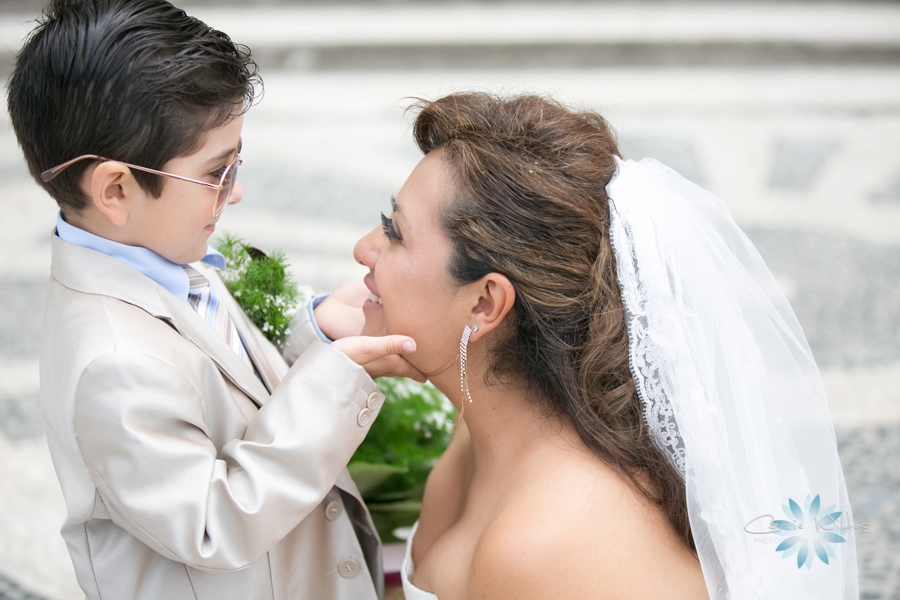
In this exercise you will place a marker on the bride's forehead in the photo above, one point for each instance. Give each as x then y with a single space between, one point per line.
428 187
433 166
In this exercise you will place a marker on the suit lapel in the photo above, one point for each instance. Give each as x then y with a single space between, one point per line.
189 324
91 272
270 371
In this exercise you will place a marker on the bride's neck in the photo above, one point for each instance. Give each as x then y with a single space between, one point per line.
504 425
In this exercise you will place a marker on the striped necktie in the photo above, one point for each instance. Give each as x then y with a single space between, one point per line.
205 301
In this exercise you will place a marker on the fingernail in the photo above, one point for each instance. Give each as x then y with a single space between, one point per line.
409 346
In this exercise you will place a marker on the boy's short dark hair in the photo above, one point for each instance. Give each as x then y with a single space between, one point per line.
132 80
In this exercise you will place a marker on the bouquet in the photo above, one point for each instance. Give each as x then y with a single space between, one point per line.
262 285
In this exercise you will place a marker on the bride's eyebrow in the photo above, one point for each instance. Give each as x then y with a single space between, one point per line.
394 206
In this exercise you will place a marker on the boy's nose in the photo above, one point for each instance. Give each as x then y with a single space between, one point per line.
366 250
237 194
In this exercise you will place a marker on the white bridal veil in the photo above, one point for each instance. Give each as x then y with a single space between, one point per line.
731 393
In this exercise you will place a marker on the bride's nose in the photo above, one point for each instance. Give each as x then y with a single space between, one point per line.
366 250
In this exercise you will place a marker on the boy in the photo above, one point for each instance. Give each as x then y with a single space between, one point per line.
194 462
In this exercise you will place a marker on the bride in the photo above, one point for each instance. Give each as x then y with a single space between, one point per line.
637 401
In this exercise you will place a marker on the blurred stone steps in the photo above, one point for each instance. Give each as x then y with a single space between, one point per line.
312 36
562 35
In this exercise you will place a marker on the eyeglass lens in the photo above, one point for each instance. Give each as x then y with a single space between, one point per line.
229 177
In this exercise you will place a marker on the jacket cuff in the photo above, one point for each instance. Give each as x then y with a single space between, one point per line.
304 331
311 307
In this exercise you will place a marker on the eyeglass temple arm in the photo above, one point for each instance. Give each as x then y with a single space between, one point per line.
50 174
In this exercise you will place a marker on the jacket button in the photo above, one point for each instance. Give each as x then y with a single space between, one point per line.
364 417
374 400
348 568
333 510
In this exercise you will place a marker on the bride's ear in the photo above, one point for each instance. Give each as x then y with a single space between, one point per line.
497 296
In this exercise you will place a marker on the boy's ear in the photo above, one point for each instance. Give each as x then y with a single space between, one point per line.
497 297
112 188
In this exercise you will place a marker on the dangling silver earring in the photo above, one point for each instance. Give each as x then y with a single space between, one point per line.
463 352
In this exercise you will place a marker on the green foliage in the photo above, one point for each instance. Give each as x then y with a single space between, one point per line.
262 285
412 431
391 465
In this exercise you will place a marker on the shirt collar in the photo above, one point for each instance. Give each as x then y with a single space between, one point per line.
147 262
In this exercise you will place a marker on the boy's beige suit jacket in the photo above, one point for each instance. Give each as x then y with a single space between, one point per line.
184 475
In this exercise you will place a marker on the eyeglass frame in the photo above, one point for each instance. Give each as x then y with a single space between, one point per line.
50 174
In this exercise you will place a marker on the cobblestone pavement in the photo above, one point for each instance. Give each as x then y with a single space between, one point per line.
869 457
808 160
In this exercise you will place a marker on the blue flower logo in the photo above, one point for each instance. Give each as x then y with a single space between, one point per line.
810 531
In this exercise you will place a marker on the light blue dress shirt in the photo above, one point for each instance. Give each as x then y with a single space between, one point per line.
147 262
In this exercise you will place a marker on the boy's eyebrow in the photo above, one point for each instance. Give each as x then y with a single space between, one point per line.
226 153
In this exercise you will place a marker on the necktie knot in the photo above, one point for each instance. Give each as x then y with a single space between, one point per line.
197 281
205 301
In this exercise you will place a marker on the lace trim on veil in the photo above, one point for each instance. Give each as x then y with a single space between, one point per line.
648 368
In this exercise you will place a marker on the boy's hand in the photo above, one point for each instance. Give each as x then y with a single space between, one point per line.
340 315
380 356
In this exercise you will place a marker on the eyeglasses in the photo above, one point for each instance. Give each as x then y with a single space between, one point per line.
223 189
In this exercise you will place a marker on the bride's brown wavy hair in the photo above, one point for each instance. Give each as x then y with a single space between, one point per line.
530 203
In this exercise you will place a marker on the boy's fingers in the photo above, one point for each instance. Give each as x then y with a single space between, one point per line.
398 344
380 356
394 366
338 320
363 349
352 293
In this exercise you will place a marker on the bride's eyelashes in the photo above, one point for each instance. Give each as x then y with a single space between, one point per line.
389 230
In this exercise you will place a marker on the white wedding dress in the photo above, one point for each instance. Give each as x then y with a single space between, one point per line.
411 592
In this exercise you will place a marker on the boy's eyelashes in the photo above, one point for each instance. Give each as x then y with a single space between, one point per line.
227 157
390 231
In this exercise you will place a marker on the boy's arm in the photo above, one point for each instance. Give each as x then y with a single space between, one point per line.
146 437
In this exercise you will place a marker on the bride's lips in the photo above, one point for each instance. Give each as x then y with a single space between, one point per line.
373 302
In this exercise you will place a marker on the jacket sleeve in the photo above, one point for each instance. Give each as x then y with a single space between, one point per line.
142 427
303 333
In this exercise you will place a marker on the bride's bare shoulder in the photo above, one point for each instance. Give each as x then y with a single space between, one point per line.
578 531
